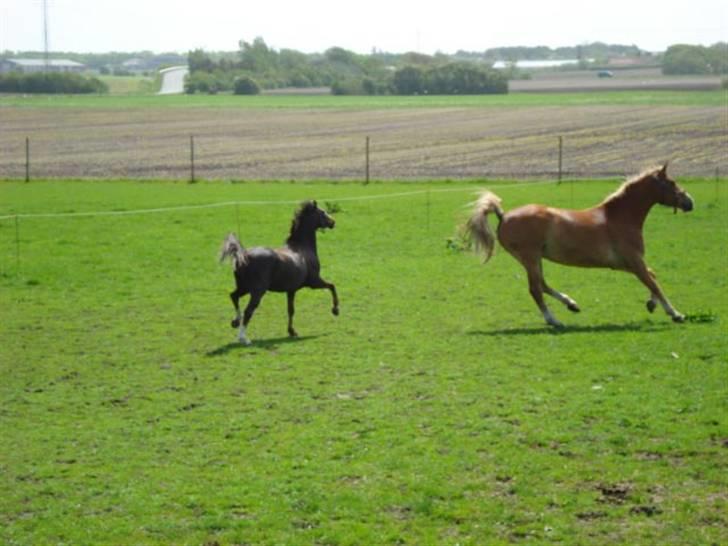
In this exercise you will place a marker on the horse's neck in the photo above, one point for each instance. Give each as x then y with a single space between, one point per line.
631 206
303 240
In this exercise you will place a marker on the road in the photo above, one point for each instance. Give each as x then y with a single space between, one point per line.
173 80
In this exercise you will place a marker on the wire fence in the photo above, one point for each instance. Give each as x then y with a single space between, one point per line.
556 160
15 219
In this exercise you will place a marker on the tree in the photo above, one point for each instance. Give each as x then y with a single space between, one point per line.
257 57
199 61
246 85
409 80
686 59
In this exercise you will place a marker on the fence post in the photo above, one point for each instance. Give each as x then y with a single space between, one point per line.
192 158
27 159
366 154
17 245
561 156
717 183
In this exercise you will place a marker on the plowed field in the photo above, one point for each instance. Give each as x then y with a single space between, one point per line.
329 143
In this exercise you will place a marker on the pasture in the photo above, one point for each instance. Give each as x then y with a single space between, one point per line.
437 409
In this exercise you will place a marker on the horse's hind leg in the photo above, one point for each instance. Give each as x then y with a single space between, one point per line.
235 296
535 287
255 298
571 305
291 312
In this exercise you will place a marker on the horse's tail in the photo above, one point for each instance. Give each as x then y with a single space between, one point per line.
477 227
233 249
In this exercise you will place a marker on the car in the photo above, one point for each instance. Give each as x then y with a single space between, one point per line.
605 74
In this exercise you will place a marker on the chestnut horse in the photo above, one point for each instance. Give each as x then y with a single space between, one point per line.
607 235
286 269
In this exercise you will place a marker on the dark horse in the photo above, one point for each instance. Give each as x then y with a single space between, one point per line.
286 269
607 235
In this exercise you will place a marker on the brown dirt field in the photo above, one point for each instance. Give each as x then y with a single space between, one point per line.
329 144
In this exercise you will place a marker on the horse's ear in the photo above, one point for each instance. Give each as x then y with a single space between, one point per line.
315 204
663 171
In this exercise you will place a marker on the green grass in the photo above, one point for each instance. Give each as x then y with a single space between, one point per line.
649 98
130 85
437 409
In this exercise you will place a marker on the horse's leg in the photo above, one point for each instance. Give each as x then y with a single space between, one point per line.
535 287
652 302
235 296
291 311
255 298
649 279
571 305
320 283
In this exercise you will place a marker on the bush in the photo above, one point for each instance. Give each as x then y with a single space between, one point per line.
51 83
245 85
206 82
449 79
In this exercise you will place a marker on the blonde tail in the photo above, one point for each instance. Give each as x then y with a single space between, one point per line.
231 248
477 227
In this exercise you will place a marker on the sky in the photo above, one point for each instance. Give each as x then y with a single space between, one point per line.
393 26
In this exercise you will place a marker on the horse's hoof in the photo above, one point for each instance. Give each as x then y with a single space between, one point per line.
573 308
292 333
244 341
555 324
678 318
335 311
651 305
235 322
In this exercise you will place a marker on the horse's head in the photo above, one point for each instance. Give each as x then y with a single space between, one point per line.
323 220
309 218
670 193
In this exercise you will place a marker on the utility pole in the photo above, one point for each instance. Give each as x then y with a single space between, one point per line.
46 54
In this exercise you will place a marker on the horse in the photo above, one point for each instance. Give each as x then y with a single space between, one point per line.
286 269
608 235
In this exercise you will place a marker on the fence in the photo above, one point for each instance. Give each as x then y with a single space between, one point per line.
16 218
196 162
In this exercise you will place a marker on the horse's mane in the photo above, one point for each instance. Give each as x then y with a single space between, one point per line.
628 184
303 209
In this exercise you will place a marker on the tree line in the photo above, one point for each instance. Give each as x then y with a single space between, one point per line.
691 59
256 66
50 83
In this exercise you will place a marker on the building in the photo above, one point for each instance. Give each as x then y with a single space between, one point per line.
39 65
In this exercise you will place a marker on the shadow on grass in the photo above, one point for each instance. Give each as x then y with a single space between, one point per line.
596 329
268 344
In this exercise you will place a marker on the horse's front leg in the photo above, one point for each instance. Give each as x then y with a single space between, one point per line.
649 279
291 312
320 283
652 302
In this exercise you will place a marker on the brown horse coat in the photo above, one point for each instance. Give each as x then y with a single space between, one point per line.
607 235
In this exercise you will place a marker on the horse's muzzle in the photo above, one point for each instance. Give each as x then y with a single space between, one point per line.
685 202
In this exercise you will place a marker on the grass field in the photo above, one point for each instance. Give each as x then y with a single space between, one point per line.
323 137
268 102
437 409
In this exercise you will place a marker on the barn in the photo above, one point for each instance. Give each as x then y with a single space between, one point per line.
40 65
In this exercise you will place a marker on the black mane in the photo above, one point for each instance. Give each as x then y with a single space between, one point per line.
304 209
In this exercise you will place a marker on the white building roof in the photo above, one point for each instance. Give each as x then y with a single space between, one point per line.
42 62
